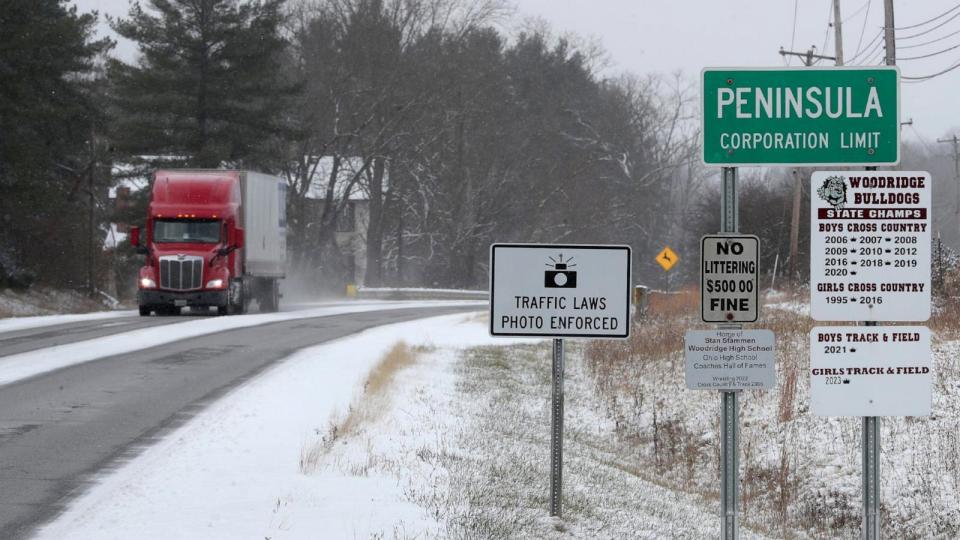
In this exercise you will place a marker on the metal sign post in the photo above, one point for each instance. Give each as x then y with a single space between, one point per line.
871 477
730 464
871 462
870 443
559 291
730 436
556 432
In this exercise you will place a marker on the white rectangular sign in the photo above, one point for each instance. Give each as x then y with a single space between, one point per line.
730 360
728 278
870 371
560 290
870 246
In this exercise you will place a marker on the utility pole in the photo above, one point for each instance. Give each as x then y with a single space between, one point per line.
795 225
889 37
807 58
870 433
838 33
956 154
956 170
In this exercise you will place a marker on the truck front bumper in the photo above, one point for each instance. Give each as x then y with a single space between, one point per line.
169 298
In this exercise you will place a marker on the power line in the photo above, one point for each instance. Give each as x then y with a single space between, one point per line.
914 46
855 13
929 55
932 75
826 34
871 43
863 29
930 20
868 52
878 47
921 139
793 36
925 32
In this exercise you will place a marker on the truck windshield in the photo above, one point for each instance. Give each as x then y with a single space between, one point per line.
191 231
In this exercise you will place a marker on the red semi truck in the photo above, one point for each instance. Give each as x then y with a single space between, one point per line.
213 239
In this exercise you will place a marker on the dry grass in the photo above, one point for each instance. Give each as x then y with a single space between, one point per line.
673 304
636 377
945 319
367 406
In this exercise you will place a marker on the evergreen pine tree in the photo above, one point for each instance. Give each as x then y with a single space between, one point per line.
48 123
207 87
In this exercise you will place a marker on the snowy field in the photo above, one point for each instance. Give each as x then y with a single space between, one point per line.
426 429
800 474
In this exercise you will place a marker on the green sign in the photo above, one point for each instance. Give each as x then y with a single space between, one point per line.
801 116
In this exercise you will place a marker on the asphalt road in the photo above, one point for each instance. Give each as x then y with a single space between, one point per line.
59 430
32 339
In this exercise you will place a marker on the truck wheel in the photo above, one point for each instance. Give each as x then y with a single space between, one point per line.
236 301
275 295
144 311
269 297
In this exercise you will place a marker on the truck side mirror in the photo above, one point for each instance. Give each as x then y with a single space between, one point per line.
135 236
238 238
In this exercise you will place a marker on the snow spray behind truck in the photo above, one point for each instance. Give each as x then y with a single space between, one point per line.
213 239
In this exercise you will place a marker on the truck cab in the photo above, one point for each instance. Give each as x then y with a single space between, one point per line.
195 244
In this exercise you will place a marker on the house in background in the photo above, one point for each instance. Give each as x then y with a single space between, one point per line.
350 238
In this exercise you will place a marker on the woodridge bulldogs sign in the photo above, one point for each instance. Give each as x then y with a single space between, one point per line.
870 246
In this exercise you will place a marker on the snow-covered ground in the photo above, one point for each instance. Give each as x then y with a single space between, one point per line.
20 366
40 300
800 473
426 429
432 429
234 471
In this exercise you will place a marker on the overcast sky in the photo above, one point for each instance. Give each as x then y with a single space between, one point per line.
665 36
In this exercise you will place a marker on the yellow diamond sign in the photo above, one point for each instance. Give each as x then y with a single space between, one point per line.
667 258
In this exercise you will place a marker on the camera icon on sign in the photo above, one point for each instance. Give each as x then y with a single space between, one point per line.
560 276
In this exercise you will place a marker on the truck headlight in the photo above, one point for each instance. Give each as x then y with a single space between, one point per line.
215 284
147 283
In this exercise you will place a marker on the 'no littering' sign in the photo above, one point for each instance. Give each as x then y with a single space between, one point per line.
870 246
728 278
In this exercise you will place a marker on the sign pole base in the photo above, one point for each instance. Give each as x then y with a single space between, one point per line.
870 446
871 477
730 461
556 432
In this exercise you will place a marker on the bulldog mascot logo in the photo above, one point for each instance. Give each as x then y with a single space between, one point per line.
834 191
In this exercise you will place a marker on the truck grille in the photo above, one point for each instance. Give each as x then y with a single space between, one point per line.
181 273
